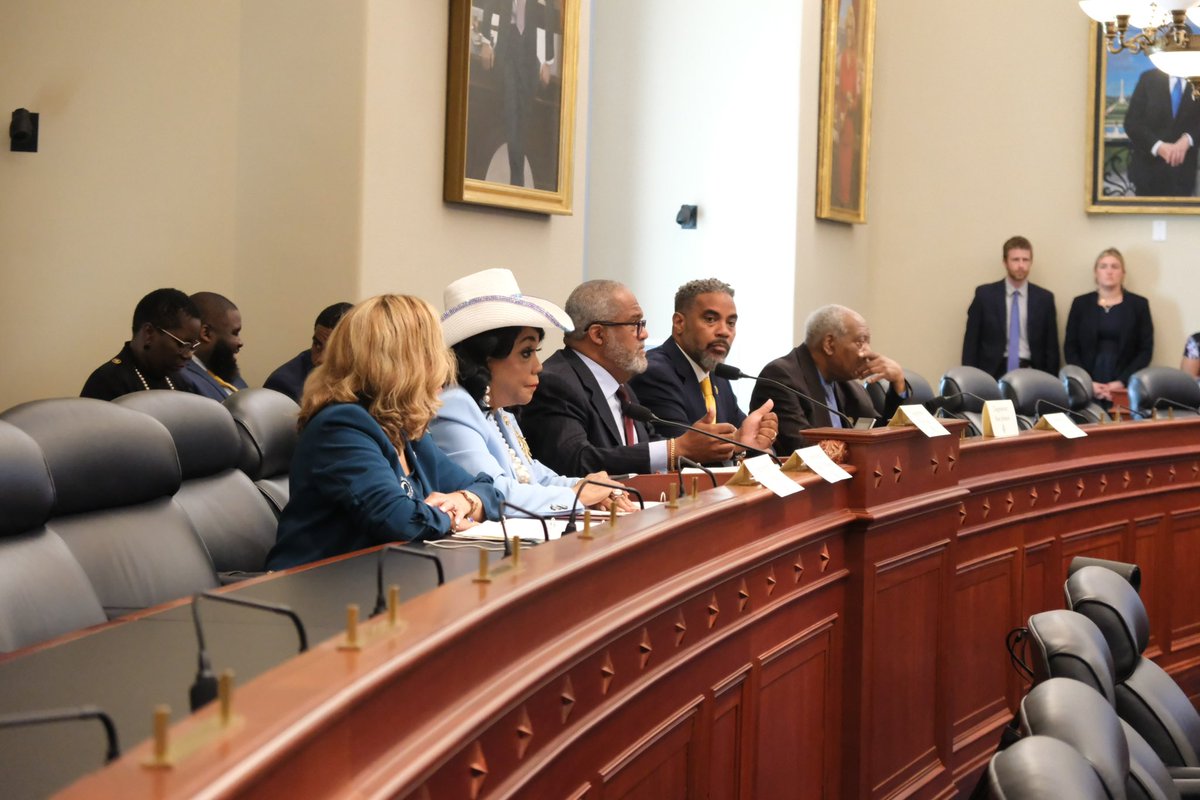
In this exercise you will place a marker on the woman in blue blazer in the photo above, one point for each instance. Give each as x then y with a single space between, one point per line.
495 333
363 472
1109 331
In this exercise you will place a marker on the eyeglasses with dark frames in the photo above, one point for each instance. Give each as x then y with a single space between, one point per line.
189 346
640 325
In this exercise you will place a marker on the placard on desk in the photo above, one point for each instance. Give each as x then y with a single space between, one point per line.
999 419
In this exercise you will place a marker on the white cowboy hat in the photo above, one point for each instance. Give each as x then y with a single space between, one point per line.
491 299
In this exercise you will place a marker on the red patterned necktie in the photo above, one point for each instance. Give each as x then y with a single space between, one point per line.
625 398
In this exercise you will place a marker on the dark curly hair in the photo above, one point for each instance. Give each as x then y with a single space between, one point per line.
472 355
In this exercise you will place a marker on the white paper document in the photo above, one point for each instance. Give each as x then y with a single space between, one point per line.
1061 423
919 416
816 459
767 472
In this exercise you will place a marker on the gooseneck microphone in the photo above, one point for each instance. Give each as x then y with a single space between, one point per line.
528 513
732 373
643 414
684 461
204 690
380 601
586 481
1041 401
52 715
1169 403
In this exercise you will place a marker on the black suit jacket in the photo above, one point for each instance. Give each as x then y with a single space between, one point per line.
1136 343
798 370
986 338
1149 120
569 426
669 388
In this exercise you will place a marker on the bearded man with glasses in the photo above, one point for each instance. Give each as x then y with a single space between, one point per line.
576 423
166 331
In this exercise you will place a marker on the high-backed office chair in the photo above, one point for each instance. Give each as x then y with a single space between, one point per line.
1066 644
266 421
1145 696
918 388
1033 394
965 390
114 472
1042 768
233 519
1163 388
1078 383
1078 715
43 590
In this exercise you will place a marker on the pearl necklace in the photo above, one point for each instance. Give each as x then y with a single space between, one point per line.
146 386
518 466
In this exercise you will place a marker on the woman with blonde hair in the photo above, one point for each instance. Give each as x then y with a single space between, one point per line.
364 472
1109 331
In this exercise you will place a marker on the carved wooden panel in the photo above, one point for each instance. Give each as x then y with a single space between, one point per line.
659 767
1184 602
1150 540
986 606
904 629
727 732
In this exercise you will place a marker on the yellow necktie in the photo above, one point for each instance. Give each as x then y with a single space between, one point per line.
710 402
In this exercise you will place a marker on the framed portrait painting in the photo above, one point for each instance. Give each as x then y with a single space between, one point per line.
1144 134
510 103
847 53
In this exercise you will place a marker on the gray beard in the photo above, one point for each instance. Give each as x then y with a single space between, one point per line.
634 363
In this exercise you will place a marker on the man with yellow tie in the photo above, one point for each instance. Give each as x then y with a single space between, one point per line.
677 385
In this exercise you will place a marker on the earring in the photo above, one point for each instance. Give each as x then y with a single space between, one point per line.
487 397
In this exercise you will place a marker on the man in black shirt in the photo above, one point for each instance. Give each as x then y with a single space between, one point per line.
166 330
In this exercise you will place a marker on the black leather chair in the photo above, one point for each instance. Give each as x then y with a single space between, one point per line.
114 472
1168 389
43 590
1146 696
1042 768
234 520
1066 644
1033 394
266 421
965 390
1078 384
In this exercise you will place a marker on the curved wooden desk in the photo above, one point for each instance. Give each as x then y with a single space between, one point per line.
847 641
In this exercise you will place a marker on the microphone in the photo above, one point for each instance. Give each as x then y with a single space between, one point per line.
684 461
69 715
380 601
585 481
733 373
643 414
1041 401
204 689
943 400
528 513
1169 403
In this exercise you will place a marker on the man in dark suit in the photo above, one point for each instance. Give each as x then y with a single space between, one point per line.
678 384
993 323
830 368
1162 123
575 423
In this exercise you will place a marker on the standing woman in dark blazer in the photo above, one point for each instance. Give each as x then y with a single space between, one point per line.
364 471
1109 331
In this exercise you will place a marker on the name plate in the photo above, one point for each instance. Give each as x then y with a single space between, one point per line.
1000 419
1062 423
916 414
818 461
766 472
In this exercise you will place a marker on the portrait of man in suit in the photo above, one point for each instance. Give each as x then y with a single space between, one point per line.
1163 125
515 101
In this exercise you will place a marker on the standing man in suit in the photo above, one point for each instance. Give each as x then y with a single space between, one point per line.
830 368
1012 323
575 423
213 369
677 384
1162 123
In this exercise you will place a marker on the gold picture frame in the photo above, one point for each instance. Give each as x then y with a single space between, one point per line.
844 134
1115 89
510 104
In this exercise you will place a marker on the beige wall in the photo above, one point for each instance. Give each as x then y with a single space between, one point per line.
963 158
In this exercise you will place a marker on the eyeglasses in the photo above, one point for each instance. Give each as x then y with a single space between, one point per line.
189 346
640 325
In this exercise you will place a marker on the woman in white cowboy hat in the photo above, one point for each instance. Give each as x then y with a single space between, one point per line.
495 332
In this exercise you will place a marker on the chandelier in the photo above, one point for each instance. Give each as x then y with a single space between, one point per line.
1158 28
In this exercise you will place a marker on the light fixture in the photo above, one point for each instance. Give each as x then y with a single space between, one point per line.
1158 28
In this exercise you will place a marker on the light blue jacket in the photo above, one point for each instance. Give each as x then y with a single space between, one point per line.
463 433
